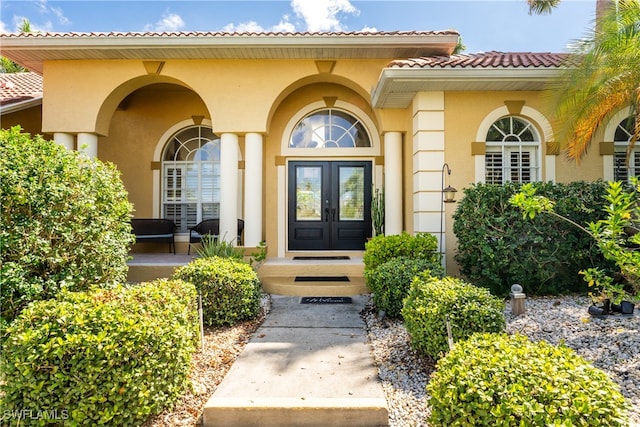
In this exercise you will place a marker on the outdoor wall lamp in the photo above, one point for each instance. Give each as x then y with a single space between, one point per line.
449 196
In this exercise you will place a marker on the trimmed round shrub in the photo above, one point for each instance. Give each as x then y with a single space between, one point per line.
390 282
501 380
64 221
432 301
381 249
230 289
104 357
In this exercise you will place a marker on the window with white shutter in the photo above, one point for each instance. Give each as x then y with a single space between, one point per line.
191 177
512 151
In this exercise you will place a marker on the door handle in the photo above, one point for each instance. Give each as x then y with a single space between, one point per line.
326 214
333 214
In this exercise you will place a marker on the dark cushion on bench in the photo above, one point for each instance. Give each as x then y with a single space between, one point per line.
154 230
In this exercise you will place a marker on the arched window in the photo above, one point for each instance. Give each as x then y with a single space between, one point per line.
622 138
329 128
512 151
191 177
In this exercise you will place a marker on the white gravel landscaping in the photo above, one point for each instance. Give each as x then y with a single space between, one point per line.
611 343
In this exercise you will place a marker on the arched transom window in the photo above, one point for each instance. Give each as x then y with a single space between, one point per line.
512 146
329 128
191 177
623 171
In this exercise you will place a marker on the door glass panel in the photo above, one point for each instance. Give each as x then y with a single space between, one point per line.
309 193
351 193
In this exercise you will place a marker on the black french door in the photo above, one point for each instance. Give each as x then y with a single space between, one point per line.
329 205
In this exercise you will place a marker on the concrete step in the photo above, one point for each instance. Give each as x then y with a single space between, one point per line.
287 285
313 277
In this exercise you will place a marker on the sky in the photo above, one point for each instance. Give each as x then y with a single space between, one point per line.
500 25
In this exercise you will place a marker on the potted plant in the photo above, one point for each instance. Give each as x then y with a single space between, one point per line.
377 211
611 296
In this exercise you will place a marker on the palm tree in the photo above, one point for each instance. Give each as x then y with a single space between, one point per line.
602 77
7 65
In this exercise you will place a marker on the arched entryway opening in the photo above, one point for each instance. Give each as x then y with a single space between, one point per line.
142 117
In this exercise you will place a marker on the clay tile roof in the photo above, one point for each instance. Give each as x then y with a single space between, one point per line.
487 60
16 87
179 34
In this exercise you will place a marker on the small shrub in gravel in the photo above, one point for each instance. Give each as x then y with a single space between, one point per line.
104 357
381 249
497 379
230 289
390 282
432 300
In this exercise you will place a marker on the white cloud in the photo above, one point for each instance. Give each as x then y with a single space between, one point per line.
60 15
323 15
368 29
316 15
3 28
244 27
284 26
169 22
57 12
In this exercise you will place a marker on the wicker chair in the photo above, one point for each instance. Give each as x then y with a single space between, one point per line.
211 227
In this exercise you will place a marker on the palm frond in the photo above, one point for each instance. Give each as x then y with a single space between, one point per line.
541 7
603 78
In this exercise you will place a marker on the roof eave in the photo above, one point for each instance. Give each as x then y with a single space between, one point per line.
21 105
32 51
409 81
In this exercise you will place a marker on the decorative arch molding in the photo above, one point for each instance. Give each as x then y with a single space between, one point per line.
368 123
321 78
539 120
612 124
111 102
534 115
157 157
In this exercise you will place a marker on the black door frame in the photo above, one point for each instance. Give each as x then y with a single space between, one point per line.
328 233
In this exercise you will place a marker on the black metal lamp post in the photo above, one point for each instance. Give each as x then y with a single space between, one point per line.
448 196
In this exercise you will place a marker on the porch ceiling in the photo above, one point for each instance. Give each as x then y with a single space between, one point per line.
31 50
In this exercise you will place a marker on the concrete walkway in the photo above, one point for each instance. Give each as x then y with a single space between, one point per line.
307 365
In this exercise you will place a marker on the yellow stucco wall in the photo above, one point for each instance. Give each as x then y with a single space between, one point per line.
29 119
133 105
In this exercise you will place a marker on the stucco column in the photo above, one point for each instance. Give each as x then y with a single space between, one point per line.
88 144
253 189
64 139
229 187
393 183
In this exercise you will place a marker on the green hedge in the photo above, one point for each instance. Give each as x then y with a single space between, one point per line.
105 357
501 380
431 301
497 247
230 289
390 282
381 249
64 221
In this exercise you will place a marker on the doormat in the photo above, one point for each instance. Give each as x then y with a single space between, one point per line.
321 279
329 258
325 300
